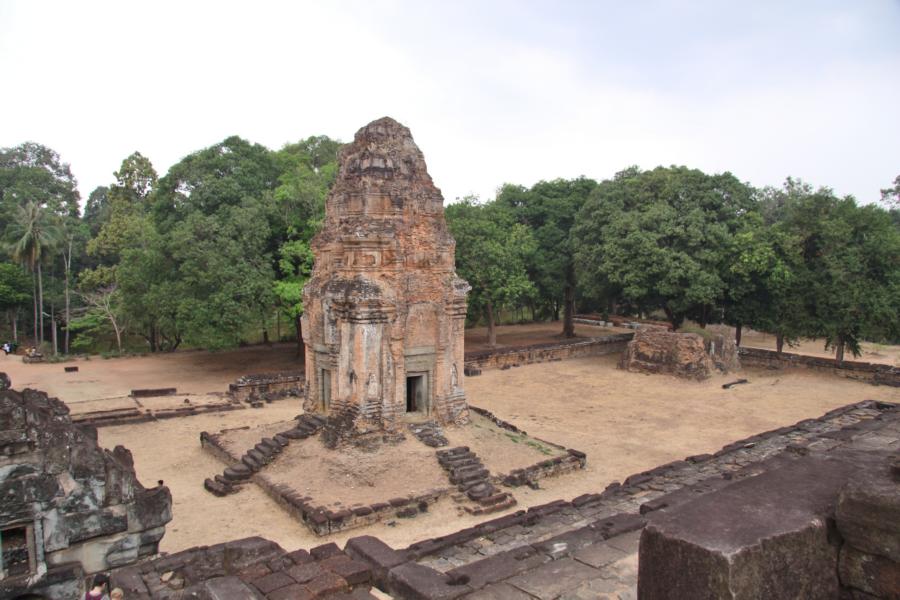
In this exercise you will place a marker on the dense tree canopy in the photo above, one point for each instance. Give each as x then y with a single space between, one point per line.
492 251
661 239
549 210
216 250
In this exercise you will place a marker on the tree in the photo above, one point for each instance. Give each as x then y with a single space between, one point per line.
126 201
215 217
851 278
308 170
891 195
763 282
34 173
295 265
549 209
97 209
491 254
101 295
659 236
34 233
15 293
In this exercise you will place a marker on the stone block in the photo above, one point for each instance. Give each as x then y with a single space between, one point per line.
870 573
273 581
229 588
554 578
325 584
735 543
305 572
324 551
498 567
291 592
354 572
372 551
499 591
868 513
88 524
413 581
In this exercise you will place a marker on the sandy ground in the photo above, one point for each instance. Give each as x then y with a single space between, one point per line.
191 372
626 423
377 475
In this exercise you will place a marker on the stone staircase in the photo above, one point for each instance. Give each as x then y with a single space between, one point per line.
473 480
429 433
232 478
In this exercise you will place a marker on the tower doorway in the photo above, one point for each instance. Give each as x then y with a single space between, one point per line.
415 394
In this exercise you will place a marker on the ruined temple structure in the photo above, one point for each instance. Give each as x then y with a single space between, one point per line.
384 308
68 508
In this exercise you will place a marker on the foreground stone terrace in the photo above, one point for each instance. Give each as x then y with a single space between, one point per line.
583 548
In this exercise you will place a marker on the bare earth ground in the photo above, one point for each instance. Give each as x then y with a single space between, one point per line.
408 468
625 422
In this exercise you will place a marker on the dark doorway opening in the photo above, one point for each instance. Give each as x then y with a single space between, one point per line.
325 379
415 389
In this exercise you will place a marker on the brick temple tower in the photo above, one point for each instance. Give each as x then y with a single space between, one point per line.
384 309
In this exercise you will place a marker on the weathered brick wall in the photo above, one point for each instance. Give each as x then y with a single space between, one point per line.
522 355
880 374
252 387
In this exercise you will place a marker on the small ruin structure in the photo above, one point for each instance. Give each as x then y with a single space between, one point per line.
69 508
685 355
384 309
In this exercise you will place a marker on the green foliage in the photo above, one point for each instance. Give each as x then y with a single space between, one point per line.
659 239
15 287
891 196
549 210
850 283
295 264
492 251
34 173
90 331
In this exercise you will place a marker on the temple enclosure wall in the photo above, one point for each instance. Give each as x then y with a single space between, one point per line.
875 373
503 358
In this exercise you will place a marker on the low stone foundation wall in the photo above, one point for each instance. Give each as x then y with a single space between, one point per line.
504 358
267 386
875 373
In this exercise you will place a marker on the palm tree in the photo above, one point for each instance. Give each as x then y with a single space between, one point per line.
34 233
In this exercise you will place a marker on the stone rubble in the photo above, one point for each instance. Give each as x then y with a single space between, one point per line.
71 507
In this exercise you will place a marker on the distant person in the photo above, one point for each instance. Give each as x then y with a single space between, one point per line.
100 586
7 348
117 594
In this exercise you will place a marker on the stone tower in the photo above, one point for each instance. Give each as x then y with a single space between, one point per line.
384 311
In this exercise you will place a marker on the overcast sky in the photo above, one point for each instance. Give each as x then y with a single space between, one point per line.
494 92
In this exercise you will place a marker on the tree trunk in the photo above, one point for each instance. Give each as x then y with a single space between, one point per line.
839 349
569 312
738 329
492 331
40 302
779 342
118 336
34 299
673 319
53 331
68 263
301 347
277 325
15 325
